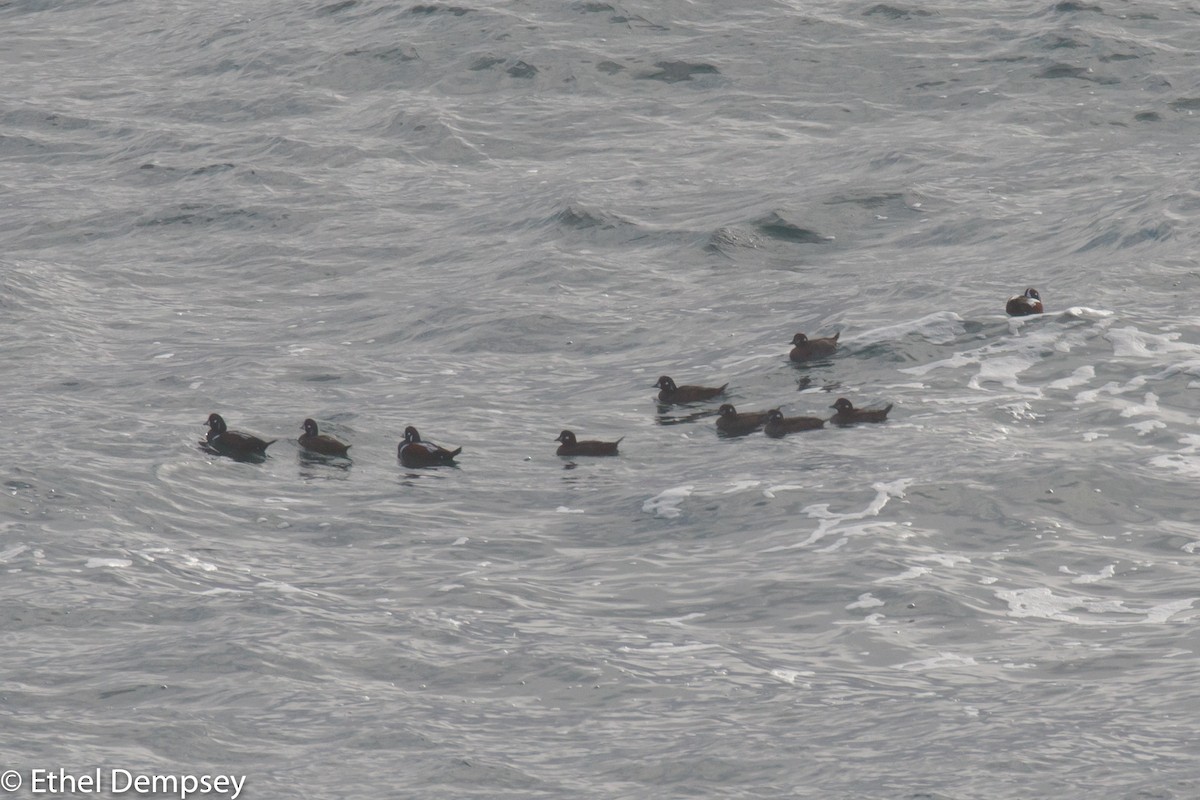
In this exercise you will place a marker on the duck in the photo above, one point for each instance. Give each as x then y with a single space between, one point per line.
319 442
805 349
234 444
847 414
732 423
572 447
415 453
1024 304
685 394
778 426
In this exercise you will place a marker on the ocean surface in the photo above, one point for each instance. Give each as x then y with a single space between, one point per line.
494 221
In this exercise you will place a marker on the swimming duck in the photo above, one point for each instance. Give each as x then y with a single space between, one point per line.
847 414
805 349
415 453
685 394
778 425
1024 304
731 423
234 444
319 442
571 447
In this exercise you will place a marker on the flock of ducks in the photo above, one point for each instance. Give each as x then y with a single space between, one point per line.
413 451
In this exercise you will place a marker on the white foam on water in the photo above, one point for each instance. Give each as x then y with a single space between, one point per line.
678 621
771 491
940 661
1133 343
944 559
203 566
1103 574
116 563
865 600
285 588
12 552
1080 377
668 504
789 676
1004 371
1083 312
998 361
1185 462
1163 612
1042 603
906 575
834 523
940 327
1021 410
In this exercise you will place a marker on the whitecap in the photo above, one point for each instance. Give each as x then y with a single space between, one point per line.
1107 572
12 552
834 523
944 559
908 574
940 327
789 676
668 504
1164 612
1042 603
865 600
1080 377
1083 312
940 661
95 563
1133 343
1004 371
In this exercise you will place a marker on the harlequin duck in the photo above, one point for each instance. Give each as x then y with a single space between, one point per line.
571 447
319 442
847 414
731 423
685 394
415 453
805 349
1024 304
778 425
235 444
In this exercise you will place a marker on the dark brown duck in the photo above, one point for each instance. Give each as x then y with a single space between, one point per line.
685 394
847 414
572 447
805 349
778 426
234 444
320 443
1024 304
732 423
416 453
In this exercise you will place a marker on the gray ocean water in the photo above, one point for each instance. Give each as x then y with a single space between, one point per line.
494 221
